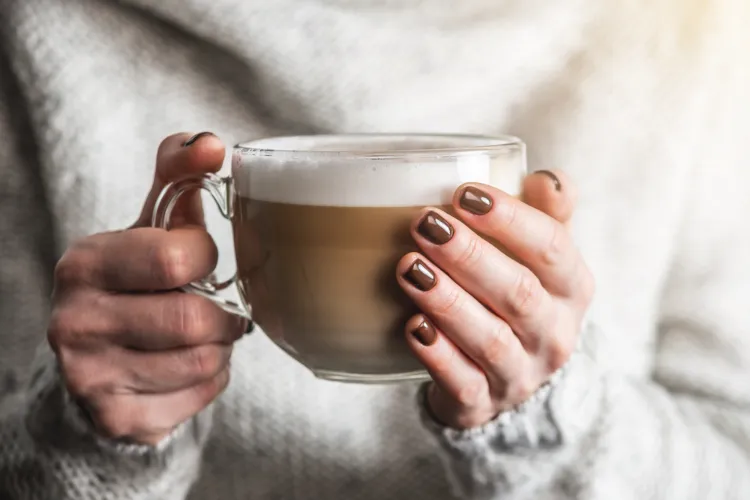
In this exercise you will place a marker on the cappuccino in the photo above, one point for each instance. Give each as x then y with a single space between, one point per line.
318 235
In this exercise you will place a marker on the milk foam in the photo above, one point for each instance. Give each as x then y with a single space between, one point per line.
325 179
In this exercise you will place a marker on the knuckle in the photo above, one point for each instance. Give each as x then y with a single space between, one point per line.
507 214
499 391
495 352
445 363
470 395
203 361
191 317
78 383
526 294
553 251
64 327
170 265
79 320
558 353
523 389
451 302
471 253
75 265
79 380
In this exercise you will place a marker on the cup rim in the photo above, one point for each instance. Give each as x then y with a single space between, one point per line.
466 144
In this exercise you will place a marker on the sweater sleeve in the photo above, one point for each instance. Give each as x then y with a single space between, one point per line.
683 433
47 450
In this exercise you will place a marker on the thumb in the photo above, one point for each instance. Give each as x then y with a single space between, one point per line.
181 156
551 192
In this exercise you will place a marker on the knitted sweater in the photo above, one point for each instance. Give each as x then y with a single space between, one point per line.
644 103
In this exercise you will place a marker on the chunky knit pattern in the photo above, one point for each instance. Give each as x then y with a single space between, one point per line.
643 102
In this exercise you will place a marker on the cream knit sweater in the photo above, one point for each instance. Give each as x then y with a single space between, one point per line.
643 102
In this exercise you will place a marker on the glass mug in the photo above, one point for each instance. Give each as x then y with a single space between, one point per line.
320 223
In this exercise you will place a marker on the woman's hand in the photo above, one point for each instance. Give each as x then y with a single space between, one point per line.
138 355
495 328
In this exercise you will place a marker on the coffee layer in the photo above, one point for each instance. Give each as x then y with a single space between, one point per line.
321 282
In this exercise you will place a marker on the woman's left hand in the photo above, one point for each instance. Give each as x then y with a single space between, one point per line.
495 328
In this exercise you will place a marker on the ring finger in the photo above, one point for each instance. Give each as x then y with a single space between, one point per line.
158 372
483 337
509 289
169 320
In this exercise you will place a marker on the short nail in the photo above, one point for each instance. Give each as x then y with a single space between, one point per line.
195 138
425 333
420 276
435 228
475 201
555 179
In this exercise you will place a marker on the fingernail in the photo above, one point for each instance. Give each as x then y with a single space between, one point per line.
425 333
436 229
195 138
420 276
475 201
555 180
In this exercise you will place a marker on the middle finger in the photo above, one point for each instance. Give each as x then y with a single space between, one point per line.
537 240
141 259
159 372
509 289
155 322
482 336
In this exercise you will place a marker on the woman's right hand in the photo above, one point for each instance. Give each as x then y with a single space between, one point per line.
138 355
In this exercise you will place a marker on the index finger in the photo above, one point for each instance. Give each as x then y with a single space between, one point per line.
138 260
179 157
537 240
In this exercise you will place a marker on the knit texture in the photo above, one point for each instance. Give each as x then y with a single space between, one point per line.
644 103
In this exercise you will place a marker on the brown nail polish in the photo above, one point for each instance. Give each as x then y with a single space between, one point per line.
555 180
420 276
195 138
436 229
425 333
475 201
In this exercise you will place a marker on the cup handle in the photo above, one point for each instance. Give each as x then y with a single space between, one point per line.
221 190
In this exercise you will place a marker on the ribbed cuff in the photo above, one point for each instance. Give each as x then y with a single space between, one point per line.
79 420
54 417
556 412
529 425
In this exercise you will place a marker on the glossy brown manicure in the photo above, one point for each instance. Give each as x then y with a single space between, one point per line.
435 229
475 201
420 276
425 333
555 180
195 138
